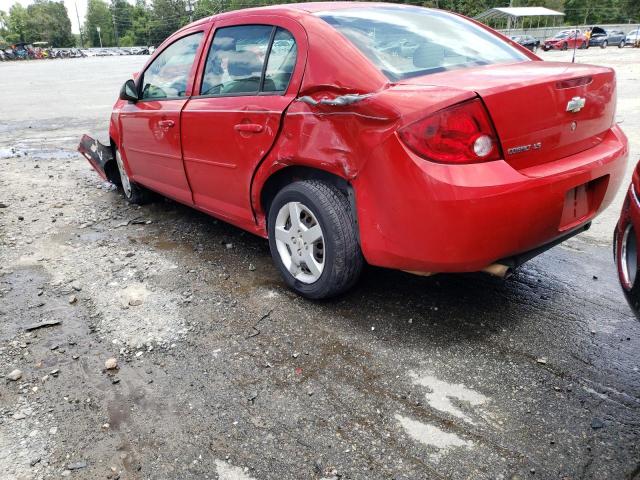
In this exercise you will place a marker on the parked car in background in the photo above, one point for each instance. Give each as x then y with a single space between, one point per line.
469 154
602 38
565 40
527 41
633 38
626 239
139 50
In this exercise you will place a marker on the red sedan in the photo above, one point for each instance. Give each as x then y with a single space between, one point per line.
625 244
405 137
565 40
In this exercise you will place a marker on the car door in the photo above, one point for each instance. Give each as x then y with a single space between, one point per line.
252 71
151 126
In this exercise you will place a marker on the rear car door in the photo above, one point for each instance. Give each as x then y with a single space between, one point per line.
251 73
151 126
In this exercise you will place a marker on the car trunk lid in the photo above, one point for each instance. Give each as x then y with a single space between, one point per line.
542 111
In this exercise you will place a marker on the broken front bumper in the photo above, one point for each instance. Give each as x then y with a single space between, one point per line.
98 155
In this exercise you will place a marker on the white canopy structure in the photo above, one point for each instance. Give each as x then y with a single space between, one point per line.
509 17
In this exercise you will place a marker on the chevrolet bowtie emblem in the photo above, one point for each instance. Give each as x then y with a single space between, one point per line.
576 104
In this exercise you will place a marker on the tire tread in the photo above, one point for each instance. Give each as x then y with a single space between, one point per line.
348 262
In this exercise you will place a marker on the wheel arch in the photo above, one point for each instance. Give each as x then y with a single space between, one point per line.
111 168
287 175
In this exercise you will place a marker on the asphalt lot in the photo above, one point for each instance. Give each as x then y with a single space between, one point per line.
224 373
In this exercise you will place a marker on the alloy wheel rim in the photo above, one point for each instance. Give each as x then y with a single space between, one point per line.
629 257
300 242
126 184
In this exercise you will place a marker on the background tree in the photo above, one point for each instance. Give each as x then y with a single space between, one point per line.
17 23
48 21
4 27
121 13
166 17
99 15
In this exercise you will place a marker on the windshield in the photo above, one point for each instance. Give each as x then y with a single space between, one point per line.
405 42
562 35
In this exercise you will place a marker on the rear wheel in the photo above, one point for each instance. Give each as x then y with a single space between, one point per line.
621 44
134 193
313 239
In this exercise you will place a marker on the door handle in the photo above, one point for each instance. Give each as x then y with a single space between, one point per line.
166 123
249 127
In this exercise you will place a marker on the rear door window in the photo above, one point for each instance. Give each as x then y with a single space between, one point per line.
282 61
168 75
249 60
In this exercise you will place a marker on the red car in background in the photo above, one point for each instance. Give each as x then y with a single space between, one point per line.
346 133
565 40
625 244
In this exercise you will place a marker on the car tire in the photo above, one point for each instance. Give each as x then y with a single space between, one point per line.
565 46
333 250
133 192
621 44
604 44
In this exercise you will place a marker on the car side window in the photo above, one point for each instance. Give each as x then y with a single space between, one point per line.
236 61
282 61
168 74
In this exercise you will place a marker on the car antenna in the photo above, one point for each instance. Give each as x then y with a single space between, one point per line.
575 44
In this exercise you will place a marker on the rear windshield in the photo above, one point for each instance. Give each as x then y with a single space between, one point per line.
407 42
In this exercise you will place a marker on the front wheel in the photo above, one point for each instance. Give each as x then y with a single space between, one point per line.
604 44
313 239
134 193
621 44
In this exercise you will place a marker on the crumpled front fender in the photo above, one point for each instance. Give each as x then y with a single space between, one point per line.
100 157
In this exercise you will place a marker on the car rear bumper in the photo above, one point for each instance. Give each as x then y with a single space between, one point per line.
425 217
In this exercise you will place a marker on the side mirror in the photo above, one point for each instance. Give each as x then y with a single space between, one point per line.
129 91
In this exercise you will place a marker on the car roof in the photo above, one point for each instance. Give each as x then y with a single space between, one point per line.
293 8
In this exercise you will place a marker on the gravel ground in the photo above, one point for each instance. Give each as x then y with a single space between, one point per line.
224 373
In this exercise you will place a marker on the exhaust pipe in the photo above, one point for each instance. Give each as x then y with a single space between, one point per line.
498 270
495 269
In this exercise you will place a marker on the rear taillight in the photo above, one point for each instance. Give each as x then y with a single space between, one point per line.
462 133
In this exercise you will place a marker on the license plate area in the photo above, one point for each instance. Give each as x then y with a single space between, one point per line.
582 202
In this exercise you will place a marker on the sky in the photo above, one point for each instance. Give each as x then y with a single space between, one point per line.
71 10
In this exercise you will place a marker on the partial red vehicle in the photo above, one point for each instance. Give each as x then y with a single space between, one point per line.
346 133
565 40
625 244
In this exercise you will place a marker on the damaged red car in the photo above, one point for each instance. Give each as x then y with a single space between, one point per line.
625 244
346 133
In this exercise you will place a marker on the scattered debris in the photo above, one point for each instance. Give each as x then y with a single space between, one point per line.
77 466
542 360
111 364
15 375
255 326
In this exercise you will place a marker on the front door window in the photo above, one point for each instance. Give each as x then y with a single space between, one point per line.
168 74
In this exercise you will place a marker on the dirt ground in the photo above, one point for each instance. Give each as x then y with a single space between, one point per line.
224 373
